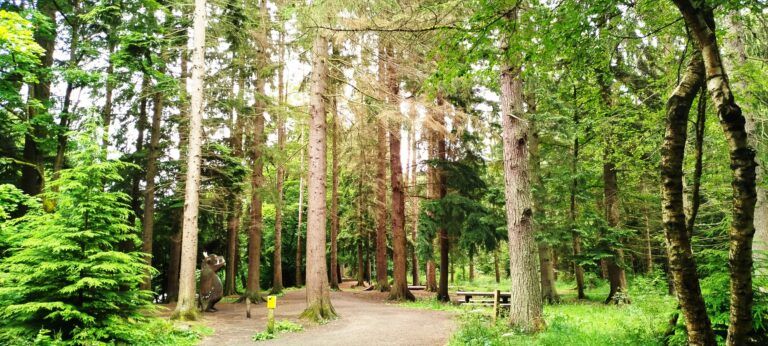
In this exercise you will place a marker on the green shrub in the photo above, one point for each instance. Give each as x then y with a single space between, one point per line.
66 278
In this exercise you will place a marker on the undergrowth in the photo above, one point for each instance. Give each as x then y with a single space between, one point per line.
572 321
283 326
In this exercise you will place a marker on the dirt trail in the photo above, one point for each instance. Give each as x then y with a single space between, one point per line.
366 319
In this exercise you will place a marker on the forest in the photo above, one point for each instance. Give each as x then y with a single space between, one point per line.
593 167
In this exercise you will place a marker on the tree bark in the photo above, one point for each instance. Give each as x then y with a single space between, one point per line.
187 307
65 116
253 288
441 191
381 189
334 283
615 270
496 265
525 298
701 23
413 191
174 262
360 265
737 48
106 115
318 294
574 189
648 246
471 267
698 153
32 176
360 233
399 290
235 204
613 267
681 261
141 126
546 266
148 221
277 257
299 277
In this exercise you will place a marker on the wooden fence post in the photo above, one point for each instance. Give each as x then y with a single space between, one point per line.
496 297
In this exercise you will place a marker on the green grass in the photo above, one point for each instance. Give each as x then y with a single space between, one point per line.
283 326
433 304
571 322
161 332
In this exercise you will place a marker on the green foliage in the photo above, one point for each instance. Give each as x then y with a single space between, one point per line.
469 211
19 52
581 322
10 200
281 327
65 277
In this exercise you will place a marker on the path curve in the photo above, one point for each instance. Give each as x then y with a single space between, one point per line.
366 319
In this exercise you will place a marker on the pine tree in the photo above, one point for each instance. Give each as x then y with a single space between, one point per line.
65 274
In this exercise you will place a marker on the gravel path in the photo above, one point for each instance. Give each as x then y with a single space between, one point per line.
365 319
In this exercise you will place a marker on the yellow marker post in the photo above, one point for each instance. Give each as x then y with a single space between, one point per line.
271 304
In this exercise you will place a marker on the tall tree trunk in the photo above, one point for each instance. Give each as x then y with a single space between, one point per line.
233 228
648 246
381 188
414 202
360 230
32 176
360 264
299 277
172 282
525 298
698 153
440 192
186 307
547 273
431 276
613 268
399 290
235 203
277 258
471 267
334 283
576 236
148 222
701 23
496 265
681 261
141 126
65 116
546 267
318 294
253 288
106 115
174 262
737 48
368 266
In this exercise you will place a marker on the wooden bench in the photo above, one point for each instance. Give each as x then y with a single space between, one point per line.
497 299
503 297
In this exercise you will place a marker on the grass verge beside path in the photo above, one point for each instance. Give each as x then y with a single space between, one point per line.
571 322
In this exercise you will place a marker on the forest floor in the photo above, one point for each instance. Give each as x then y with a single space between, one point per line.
366 317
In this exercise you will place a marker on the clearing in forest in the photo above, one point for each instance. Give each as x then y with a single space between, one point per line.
366 318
